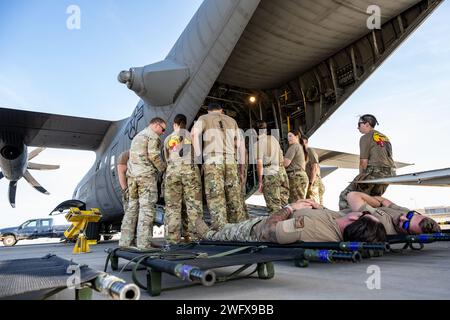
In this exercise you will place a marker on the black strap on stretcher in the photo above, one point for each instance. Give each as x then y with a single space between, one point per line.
417 242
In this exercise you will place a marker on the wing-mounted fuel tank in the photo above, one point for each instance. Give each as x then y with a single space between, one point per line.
158 84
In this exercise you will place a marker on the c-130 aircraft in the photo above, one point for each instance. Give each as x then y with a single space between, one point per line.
300 59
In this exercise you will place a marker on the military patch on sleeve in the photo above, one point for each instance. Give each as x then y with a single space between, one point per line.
174 142
299 222
380 139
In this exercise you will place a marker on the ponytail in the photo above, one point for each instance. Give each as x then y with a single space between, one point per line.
299 134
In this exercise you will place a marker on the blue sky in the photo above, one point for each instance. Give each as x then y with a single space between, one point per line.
46 67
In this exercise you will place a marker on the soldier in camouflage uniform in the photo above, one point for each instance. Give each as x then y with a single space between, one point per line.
143 166
295 162
272 178
316 189
300 221
244 187
182 183
221 138
375 161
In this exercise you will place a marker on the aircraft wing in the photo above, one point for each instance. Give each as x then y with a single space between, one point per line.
344 160
432 178
54 131
324 171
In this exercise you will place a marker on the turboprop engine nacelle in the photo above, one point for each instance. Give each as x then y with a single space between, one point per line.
13 159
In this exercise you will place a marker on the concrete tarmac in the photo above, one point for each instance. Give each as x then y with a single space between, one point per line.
408 275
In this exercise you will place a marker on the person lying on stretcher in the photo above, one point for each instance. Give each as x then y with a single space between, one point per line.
304 220
396 219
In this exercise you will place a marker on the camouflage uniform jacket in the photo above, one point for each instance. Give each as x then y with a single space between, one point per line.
145 154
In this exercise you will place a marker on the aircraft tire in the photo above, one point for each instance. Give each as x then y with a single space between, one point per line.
93 231
9 241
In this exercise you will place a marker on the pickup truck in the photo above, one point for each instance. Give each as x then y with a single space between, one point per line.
32 229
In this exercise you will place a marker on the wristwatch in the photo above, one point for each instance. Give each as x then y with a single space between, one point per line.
289 207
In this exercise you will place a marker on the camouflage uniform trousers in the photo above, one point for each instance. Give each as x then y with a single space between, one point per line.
182 184
298 185
241 231
316 191
244 194
371 172
276 190
125 198
141 210
223 194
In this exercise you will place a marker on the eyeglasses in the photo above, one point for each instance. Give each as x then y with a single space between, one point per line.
407 223
360 123
162 128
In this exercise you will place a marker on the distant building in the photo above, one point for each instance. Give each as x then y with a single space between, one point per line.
437 210
440 214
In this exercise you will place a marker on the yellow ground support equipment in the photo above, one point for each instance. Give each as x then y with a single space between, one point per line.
80 220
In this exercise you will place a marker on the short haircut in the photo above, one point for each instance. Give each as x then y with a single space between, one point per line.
370 119
213 106
261 124
180 120
428 225
365 229
157 120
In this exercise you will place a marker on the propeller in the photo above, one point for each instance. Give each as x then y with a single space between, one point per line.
12 193
38 166
34 153
28 177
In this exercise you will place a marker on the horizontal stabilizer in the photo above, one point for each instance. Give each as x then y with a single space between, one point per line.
432 178
344 160
324 171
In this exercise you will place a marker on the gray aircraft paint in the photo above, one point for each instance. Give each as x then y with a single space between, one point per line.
218 43
252 44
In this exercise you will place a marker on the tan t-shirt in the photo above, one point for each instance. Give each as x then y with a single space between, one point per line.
386 219
268 149
313 158
296 154
377 148
178 148
220 133
309 225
